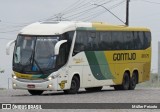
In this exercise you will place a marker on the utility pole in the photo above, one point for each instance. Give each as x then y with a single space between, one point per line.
127 12
158 61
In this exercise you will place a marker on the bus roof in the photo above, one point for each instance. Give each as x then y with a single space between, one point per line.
52 28
60 27
108 27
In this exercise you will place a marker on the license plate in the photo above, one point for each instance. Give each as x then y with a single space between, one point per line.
31 86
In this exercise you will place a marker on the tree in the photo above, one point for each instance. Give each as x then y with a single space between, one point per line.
1 71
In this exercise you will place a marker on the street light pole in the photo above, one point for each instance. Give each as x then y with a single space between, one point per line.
110 12
9 82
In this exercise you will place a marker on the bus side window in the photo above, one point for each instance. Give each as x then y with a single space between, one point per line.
97 41
65 49
147 39
105 41
69 37
61 59
102 41
135 40
117 40
91 41
80 42
128 40
140 40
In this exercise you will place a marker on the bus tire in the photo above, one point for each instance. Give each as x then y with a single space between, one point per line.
125 82
75 85
133 81
35 92
94 89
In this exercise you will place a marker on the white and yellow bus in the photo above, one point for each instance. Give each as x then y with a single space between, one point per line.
66 56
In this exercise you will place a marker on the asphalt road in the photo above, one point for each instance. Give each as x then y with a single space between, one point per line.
107 95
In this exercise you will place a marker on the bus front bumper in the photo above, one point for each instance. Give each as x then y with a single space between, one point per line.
46 85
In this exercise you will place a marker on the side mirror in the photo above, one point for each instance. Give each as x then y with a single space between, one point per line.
58 45
8 46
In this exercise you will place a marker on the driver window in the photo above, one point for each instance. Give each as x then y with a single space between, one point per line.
80 42
63 55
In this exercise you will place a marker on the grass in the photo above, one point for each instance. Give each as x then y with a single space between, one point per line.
2 88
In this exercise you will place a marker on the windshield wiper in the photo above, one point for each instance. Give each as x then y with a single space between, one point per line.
40 69
28 62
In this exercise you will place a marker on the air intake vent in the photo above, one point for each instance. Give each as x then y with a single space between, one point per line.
50 22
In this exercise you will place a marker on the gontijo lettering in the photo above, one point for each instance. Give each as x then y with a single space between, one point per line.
124 56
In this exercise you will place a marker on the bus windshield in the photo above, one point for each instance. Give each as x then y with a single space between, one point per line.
34 53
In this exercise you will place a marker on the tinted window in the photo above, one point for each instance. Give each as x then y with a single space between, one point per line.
117 40
147 39
135 40
105 41
141 40
91 41
97 41
65 49
111 40
81 42
128 40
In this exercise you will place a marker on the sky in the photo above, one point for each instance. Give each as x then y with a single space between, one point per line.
15 14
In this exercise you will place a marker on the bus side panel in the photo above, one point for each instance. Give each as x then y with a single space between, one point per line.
119 71
100 68
79 65
146 73
129 60
88 78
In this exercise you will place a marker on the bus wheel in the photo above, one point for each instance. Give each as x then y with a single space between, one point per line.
126 82
35 92
93 89
75 85
133 81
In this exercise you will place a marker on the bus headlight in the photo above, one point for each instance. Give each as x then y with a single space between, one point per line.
14 76
50 78
49 86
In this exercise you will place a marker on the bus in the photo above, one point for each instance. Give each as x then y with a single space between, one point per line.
69 55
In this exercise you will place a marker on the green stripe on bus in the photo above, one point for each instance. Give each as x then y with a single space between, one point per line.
98 65
94 66
101 62
105 70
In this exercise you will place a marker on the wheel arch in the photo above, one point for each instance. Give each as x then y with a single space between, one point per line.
75 75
